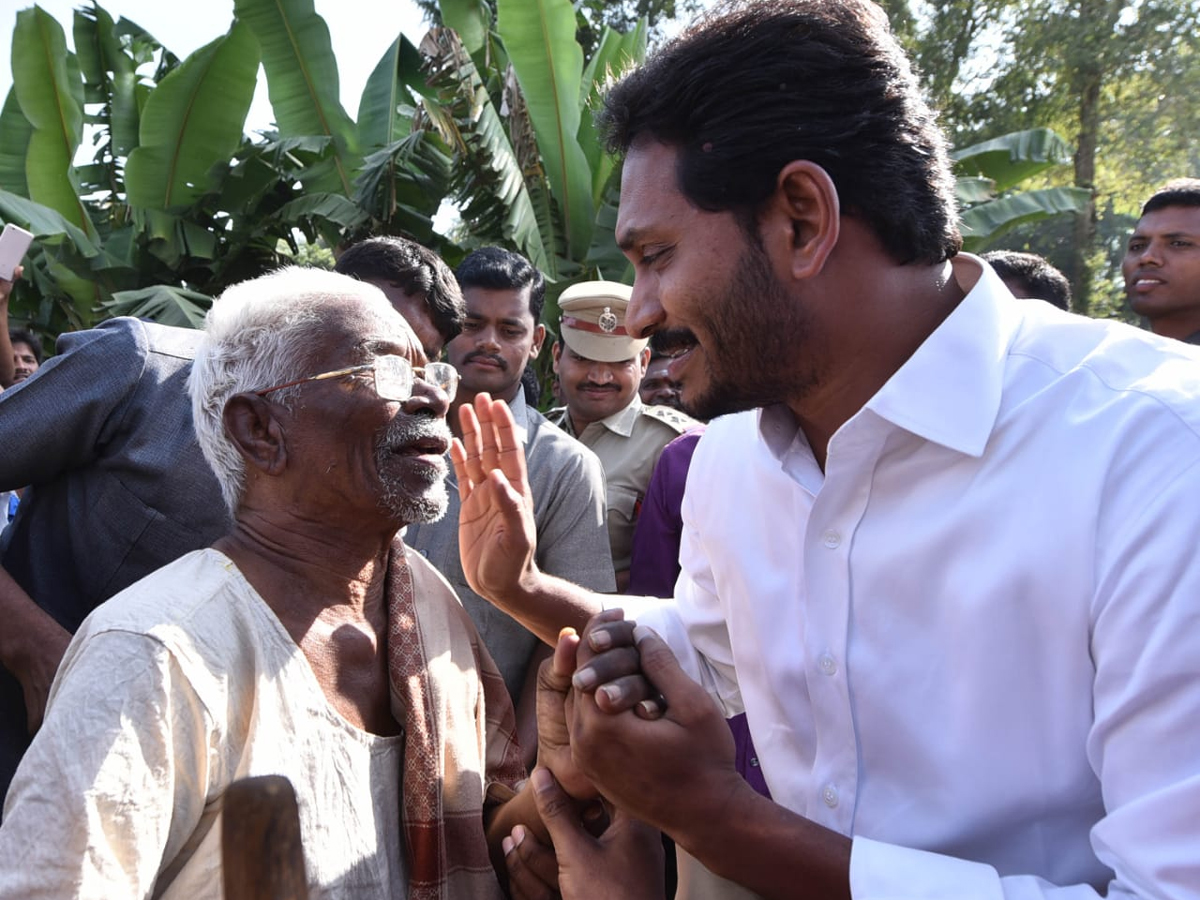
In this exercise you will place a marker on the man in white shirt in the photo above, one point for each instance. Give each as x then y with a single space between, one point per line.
1162 261
940 547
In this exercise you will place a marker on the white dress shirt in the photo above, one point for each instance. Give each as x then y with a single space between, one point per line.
972 643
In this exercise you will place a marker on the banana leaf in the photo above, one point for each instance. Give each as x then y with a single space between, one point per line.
385 108
302 80
48 225
489 182
615 53
49 89
980 224
163 303
193 123
1011 158
15 132
100 52
471 20
539 36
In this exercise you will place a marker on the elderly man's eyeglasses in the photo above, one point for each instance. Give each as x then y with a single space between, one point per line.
394 377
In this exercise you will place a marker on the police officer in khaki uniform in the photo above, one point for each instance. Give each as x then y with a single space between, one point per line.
599 368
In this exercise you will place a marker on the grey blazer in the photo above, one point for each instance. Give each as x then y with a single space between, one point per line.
102 435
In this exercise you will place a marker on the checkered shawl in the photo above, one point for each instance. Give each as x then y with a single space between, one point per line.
460 751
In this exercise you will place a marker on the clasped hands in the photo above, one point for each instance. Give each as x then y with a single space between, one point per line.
604 725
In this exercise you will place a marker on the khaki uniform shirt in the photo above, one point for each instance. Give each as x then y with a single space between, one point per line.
628 443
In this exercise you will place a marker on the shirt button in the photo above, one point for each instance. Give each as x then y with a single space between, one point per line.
828 664
832 539
830 796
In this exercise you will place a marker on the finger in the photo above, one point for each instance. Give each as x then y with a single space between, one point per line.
627 692
458 458
507 451
559 815
486 412
471 443
562 664
532 867
607 667
660 666
596 634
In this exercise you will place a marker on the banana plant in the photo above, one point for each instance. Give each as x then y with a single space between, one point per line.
514 99
988 176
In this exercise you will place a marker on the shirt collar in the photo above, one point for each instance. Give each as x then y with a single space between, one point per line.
948 391
520 414
622 422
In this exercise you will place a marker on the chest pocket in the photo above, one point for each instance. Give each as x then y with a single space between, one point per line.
624 504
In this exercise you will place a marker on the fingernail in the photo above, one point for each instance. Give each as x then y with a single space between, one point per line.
584 679
542 780
600 640
650 707
518 835
612 692
507 845
641 632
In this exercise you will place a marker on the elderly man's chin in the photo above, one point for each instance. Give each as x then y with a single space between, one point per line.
412 504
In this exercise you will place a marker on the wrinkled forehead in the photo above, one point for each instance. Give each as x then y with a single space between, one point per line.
366 326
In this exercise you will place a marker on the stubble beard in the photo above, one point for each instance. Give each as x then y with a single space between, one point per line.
427 502
765 353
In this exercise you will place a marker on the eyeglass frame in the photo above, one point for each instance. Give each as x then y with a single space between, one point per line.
413 373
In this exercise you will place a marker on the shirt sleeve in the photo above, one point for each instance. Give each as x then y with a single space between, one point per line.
1142 746
57 419
572 535
692 623
114 783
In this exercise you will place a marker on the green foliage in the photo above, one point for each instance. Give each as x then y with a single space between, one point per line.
1118 76
989 174
178 202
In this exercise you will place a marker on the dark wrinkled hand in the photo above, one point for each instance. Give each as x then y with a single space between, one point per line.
625 862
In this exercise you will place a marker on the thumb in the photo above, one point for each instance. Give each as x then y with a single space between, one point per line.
558 813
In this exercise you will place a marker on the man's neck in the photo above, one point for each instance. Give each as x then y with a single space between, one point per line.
1180 325
901 307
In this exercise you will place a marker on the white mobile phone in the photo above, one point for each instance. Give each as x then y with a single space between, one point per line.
14 241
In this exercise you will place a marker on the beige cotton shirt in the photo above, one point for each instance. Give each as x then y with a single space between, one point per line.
170 691
628 443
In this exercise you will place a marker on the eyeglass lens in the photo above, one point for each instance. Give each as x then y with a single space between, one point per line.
394 378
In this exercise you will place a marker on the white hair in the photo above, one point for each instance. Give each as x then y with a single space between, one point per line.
258 334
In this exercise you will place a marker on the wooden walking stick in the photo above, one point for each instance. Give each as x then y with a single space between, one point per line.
261 849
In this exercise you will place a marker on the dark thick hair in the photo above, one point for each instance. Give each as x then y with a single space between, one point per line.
1177 192
756 85
27 337
1040 278
415 270
497 269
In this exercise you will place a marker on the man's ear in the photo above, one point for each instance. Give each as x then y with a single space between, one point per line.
643 359
803 218
252 424
555 355
539 337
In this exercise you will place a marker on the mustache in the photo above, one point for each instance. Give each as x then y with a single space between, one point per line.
592 386
672 341
479 354
404 431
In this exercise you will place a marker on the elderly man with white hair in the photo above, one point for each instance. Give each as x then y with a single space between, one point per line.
305 642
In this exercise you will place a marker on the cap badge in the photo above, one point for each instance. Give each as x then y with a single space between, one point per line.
607 321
